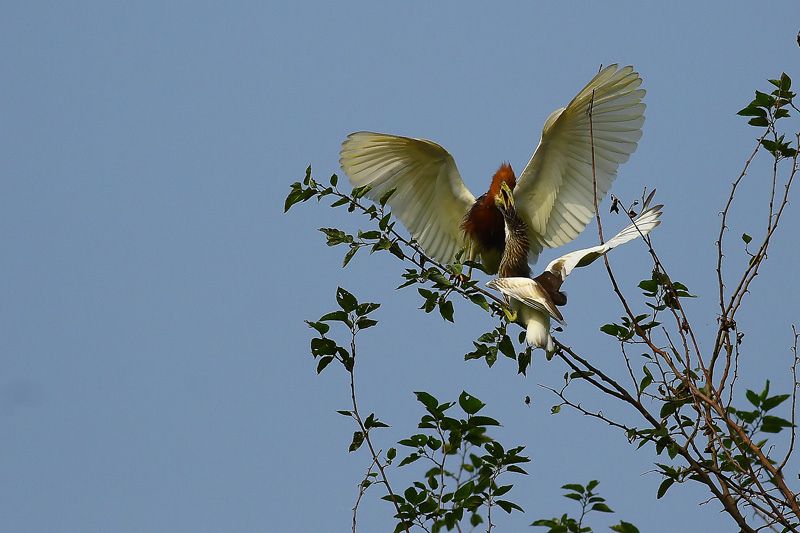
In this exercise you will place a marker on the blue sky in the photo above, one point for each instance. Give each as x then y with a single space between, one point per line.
155 366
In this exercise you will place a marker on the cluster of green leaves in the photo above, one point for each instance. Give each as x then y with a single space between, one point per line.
589 502
497 341
766 109
383 238
753 421
449 493
663 294
440 288
466 461
440 280
352 314
734 457
665 291
666 294
757 419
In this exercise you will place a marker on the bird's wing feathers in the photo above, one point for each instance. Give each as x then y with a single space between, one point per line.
554 194
641 226
528 292
430 198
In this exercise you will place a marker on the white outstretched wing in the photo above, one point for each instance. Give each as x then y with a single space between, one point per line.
640 227
554 194
528 292
430 198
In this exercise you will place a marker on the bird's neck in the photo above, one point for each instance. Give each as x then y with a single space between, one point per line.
514 263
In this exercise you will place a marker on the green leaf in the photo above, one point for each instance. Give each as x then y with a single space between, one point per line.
746 238
366 308
321 327
649 285
575 487
486 337
385 198
774 401
427 400
764 393
499 491
336 236
508 506
346 300
753 398
506 347
369 235
381 244
341 316
764 99
364 323
446 310
358 192
752 111
516 469
647 379
759 122
340 201
524 360
334 180
664 487
463 491
478 420
601 507
396 251
358 440
774 424
384 222
373 422
297 195
553 524
668 408
320 346
786 82
480 300
323 362
410 459
625 527
349 255
470 404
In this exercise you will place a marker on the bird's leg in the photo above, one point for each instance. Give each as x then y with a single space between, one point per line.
510 315
461 278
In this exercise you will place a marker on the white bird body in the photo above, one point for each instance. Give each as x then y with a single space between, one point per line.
532 306
532 299
555 192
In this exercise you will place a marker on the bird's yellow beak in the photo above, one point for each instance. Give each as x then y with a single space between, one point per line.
505 198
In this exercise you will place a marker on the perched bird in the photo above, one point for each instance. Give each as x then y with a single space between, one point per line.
555 194
533 301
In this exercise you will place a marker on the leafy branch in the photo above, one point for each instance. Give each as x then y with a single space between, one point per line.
684 401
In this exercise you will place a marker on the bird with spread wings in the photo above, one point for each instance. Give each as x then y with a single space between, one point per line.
555 194
533 301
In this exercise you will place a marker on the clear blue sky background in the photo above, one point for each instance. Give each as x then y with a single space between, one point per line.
155 366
